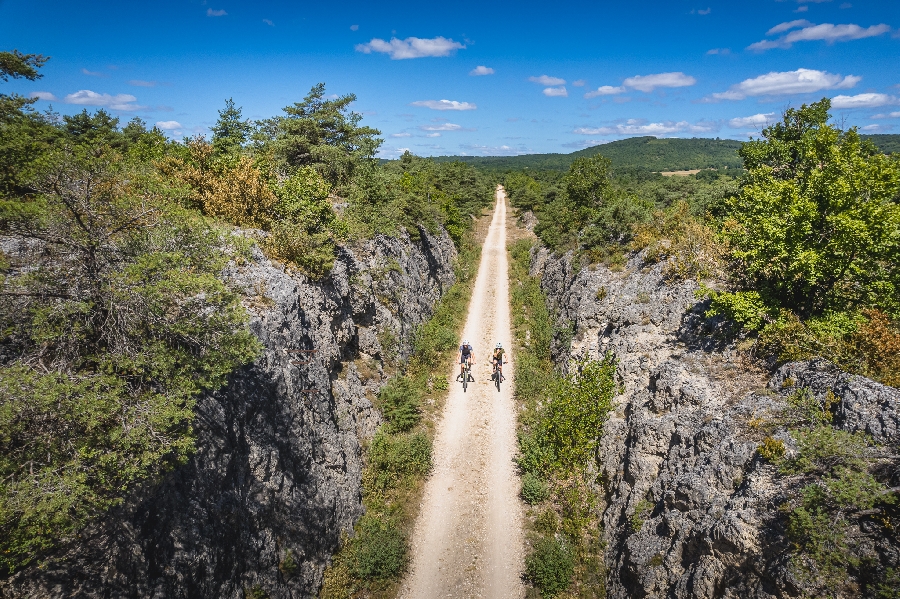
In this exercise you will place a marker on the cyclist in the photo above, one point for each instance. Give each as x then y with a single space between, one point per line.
497 359
466 355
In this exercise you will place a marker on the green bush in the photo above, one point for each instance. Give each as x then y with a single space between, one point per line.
534 489
550 566
379 549
399 402
395 458
745 308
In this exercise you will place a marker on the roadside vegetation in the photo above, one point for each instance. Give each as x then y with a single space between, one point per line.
797 257
560 424
113 309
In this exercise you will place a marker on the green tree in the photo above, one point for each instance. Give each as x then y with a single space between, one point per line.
587 183
231 131
816 226
322 133
17 65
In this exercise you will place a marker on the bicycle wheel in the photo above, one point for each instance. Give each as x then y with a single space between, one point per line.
497 377
465 378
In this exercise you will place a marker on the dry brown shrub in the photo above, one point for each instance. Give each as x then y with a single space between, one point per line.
878 340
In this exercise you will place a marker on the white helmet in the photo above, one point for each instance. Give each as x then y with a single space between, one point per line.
466 342
499 345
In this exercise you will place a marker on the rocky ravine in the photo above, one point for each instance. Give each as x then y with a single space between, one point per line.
681 448
276 478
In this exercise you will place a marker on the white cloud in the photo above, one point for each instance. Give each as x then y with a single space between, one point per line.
42 96
94 73
890 115
444 105
863 101
547 80
810 32
701 11
169 125
401 134
876 128
647 83
141 83
801 81
411 47
722 51
803 8
432 135
757 120
556 92
579 83
503 150
605 90
481 70
441 127
642 127
269 22
782 27
215 13
354 27
86 97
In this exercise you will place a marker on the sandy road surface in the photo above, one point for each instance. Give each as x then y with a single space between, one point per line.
468 537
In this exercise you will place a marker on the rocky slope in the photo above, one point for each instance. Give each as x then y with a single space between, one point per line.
691 510
261 506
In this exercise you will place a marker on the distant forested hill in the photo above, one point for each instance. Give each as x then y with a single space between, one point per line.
644 153
887 143
647 153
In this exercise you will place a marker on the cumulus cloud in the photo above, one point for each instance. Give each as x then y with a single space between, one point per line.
642 127
43 96
411 47
444 105
142 83
441 127
215 13
605 90
401 134
801 81
481 70
547 80
804 31
169 125
863 101
556 92
86 97
579 83
757 120
647 83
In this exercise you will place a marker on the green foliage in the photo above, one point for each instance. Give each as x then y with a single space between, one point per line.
746 308
815 225
288 565
641 511
117 324
549 566
399 402
230 132
534 488
395 459
771 449
379 551
18 65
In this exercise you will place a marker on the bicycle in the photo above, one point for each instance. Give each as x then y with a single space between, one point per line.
498 374
466 375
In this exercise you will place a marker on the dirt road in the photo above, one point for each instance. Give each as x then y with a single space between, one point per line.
468 538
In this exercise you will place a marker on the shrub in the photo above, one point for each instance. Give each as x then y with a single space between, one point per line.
379 549
771 449
399 402
394 458
534 489
549 566
641 511
745 308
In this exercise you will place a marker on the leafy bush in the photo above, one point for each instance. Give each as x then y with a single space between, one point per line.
684 240
549 566
746 308
379 551
399 402
641 511
771 449
534 489
395 458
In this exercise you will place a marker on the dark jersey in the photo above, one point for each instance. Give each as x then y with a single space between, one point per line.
498 354
465 350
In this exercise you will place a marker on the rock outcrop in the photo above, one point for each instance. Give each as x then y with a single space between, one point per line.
691 510
276 479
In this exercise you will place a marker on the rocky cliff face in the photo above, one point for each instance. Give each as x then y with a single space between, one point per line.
261 506
691 510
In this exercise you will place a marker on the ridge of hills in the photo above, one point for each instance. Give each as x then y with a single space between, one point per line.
644 153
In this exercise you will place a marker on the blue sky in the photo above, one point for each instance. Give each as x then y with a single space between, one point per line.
476 78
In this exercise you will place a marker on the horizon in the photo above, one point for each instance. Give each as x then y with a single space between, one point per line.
494 80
